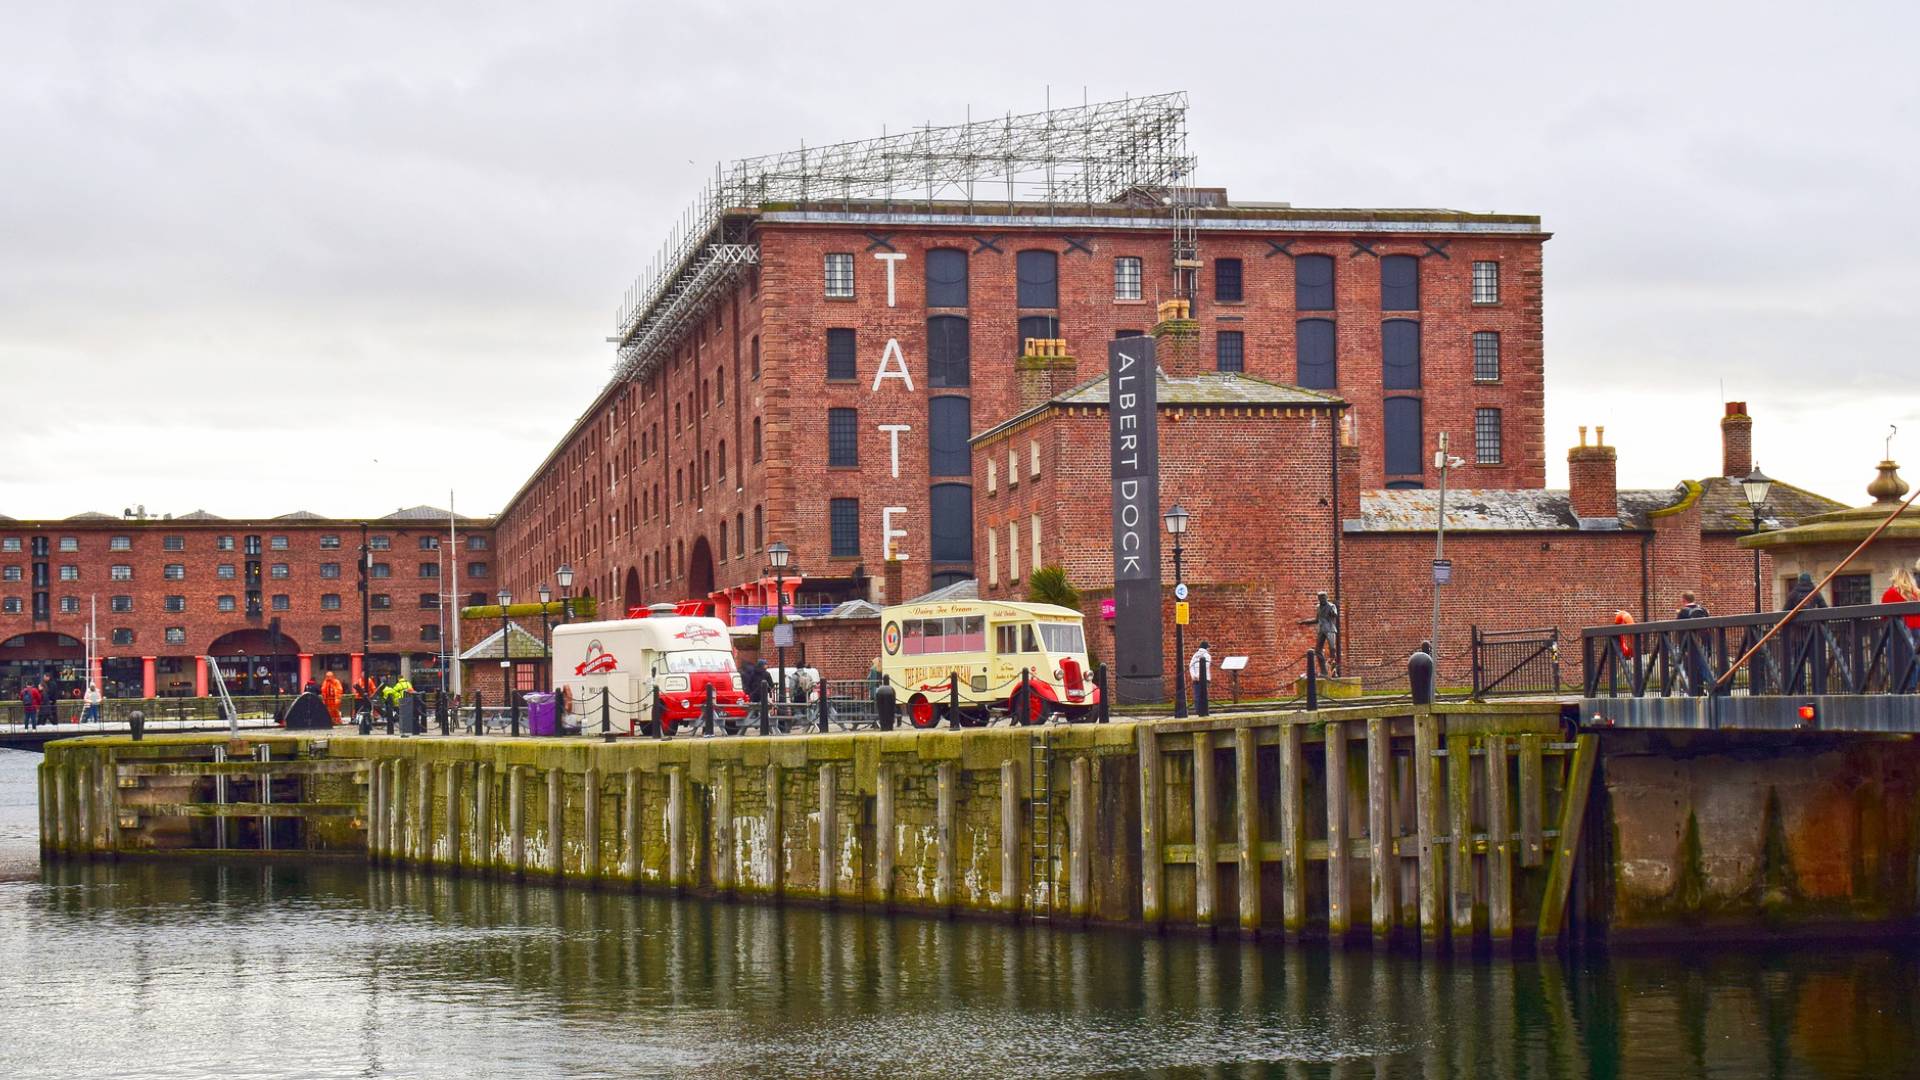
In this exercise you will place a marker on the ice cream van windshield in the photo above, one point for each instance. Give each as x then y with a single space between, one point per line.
1063 637
684 663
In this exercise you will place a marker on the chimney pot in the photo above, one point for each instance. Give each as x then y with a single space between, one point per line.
1736 441
1592 488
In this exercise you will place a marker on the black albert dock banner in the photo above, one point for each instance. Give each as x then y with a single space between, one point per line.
1134 436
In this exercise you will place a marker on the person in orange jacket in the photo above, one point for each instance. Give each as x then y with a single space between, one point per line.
330 696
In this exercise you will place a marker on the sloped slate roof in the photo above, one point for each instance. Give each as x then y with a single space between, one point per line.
416 513
92 515
200 515
853 609
300 515
1183 391
526 646
1531 510
959 590
1723 506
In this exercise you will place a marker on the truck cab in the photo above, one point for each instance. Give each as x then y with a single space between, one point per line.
662 664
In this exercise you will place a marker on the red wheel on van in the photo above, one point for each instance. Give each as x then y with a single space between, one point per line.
1035 712
920 710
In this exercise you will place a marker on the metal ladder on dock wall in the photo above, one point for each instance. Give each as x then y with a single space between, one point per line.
1044 860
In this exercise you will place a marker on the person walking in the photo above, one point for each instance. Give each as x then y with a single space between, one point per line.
330 696
30 704
1801 589
49 706
1200 673
1798 633
1903 672
91 712
1696 646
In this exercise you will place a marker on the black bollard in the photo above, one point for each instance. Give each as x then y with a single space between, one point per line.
953 700
1420 678
479 721
1313 681
137 723
706 713
387 709
513 715
826 708
1103 712
1200 687
884 706
446 725
366 719
606 715
760 706
1023 699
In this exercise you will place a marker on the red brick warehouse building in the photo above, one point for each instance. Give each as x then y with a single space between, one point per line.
813 348
167 592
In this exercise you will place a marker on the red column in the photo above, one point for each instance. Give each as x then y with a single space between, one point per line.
306 668
199 676
146 676
355 659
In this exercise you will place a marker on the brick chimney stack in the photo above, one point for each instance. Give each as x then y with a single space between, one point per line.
1349 458
1046 369
1736 441
1591 479
893 584
1176 339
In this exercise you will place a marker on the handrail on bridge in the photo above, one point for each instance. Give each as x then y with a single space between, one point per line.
1864 649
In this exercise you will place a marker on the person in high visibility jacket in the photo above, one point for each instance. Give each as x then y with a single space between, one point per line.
330 696
395 690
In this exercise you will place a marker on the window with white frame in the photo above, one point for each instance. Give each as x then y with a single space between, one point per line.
1486 356
121 572
1486 436
120 543
69 543
69 605
176 635
1126 277
840 275
1486 282
69 572
174 572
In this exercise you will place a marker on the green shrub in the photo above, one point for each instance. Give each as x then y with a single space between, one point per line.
1048 585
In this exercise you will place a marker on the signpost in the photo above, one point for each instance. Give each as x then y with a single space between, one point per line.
1134 442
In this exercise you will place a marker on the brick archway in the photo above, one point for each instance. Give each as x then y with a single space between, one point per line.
700 570
630 594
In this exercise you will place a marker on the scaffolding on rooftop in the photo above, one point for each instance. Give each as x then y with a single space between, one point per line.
1084 155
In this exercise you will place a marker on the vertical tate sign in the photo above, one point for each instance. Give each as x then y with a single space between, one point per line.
1134 437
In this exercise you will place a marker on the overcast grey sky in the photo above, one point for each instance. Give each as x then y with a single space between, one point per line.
341 257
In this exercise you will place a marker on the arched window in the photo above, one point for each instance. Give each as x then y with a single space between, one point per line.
949 352
740 533
1313 282
724 551
952 525
1400 354
1400 283
723 465
949 426
755 350
946 278
756 438
720 385
1039 273
759 530
1316 366
1402 439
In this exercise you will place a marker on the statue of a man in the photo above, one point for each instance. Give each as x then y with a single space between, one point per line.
1326 642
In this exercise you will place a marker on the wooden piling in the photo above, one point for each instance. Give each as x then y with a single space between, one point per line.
1339 879
1566 848
1532 802
397 810
83 810
676 826
774 859
556 821
1499 846
1383 862
1293 833
1009 898
1153 853
376 810
829 838
945 831
884 837
1246 805
590 822
423 812
724 832
1079 838
1427 780
453 829
1460 851
110 801
517 819
1206 868
630 810
483 848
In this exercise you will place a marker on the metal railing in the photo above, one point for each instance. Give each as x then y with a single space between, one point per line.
1516 661
1868 649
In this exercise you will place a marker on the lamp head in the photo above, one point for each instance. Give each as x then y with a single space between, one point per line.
1177 519
778 554
565 576
1755 486
546 594
505 598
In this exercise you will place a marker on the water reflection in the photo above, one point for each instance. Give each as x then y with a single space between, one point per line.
163 969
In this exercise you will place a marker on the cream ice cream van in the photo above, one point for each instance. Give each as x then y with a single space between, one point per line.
987 643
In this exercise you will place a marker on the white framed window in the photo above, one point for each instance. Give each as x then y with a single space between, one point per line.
1013 552
10 544
1033 532
69 572
69 605
226 603
121 573
175 572
11 605
176 603
224 571
993 555
176 635
69 543
278 543
280 570
118 543
379 543
121 603
1486 356
329 542
224 543
1486 436
840 275
174 543
1486 282
14 573
1126 277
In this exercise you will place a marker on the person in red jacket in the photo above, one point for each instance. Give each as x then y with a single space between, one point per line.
1903 673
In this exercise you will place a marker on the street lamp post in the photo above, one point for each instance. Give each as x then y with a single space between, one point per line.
506 652
565 576
1177 525
546 632
778 555
1755 486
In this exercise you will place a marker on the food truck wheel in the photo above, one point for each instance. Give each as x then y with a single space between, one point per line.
921 711
1034 713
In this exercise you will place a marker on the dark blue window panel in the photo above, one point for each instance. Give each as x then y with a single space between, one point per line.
949 426
1402 438
1400 354
1230 350
842 360
843 436
1227 280
1037 326
950 577
1119 334
1317 367
1399 283
844 517
946 278
1039 279
949 351
952 530
1313 282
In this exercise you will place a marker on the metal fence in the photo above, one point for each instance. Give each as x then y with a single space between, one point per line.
1516 661
1868 649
